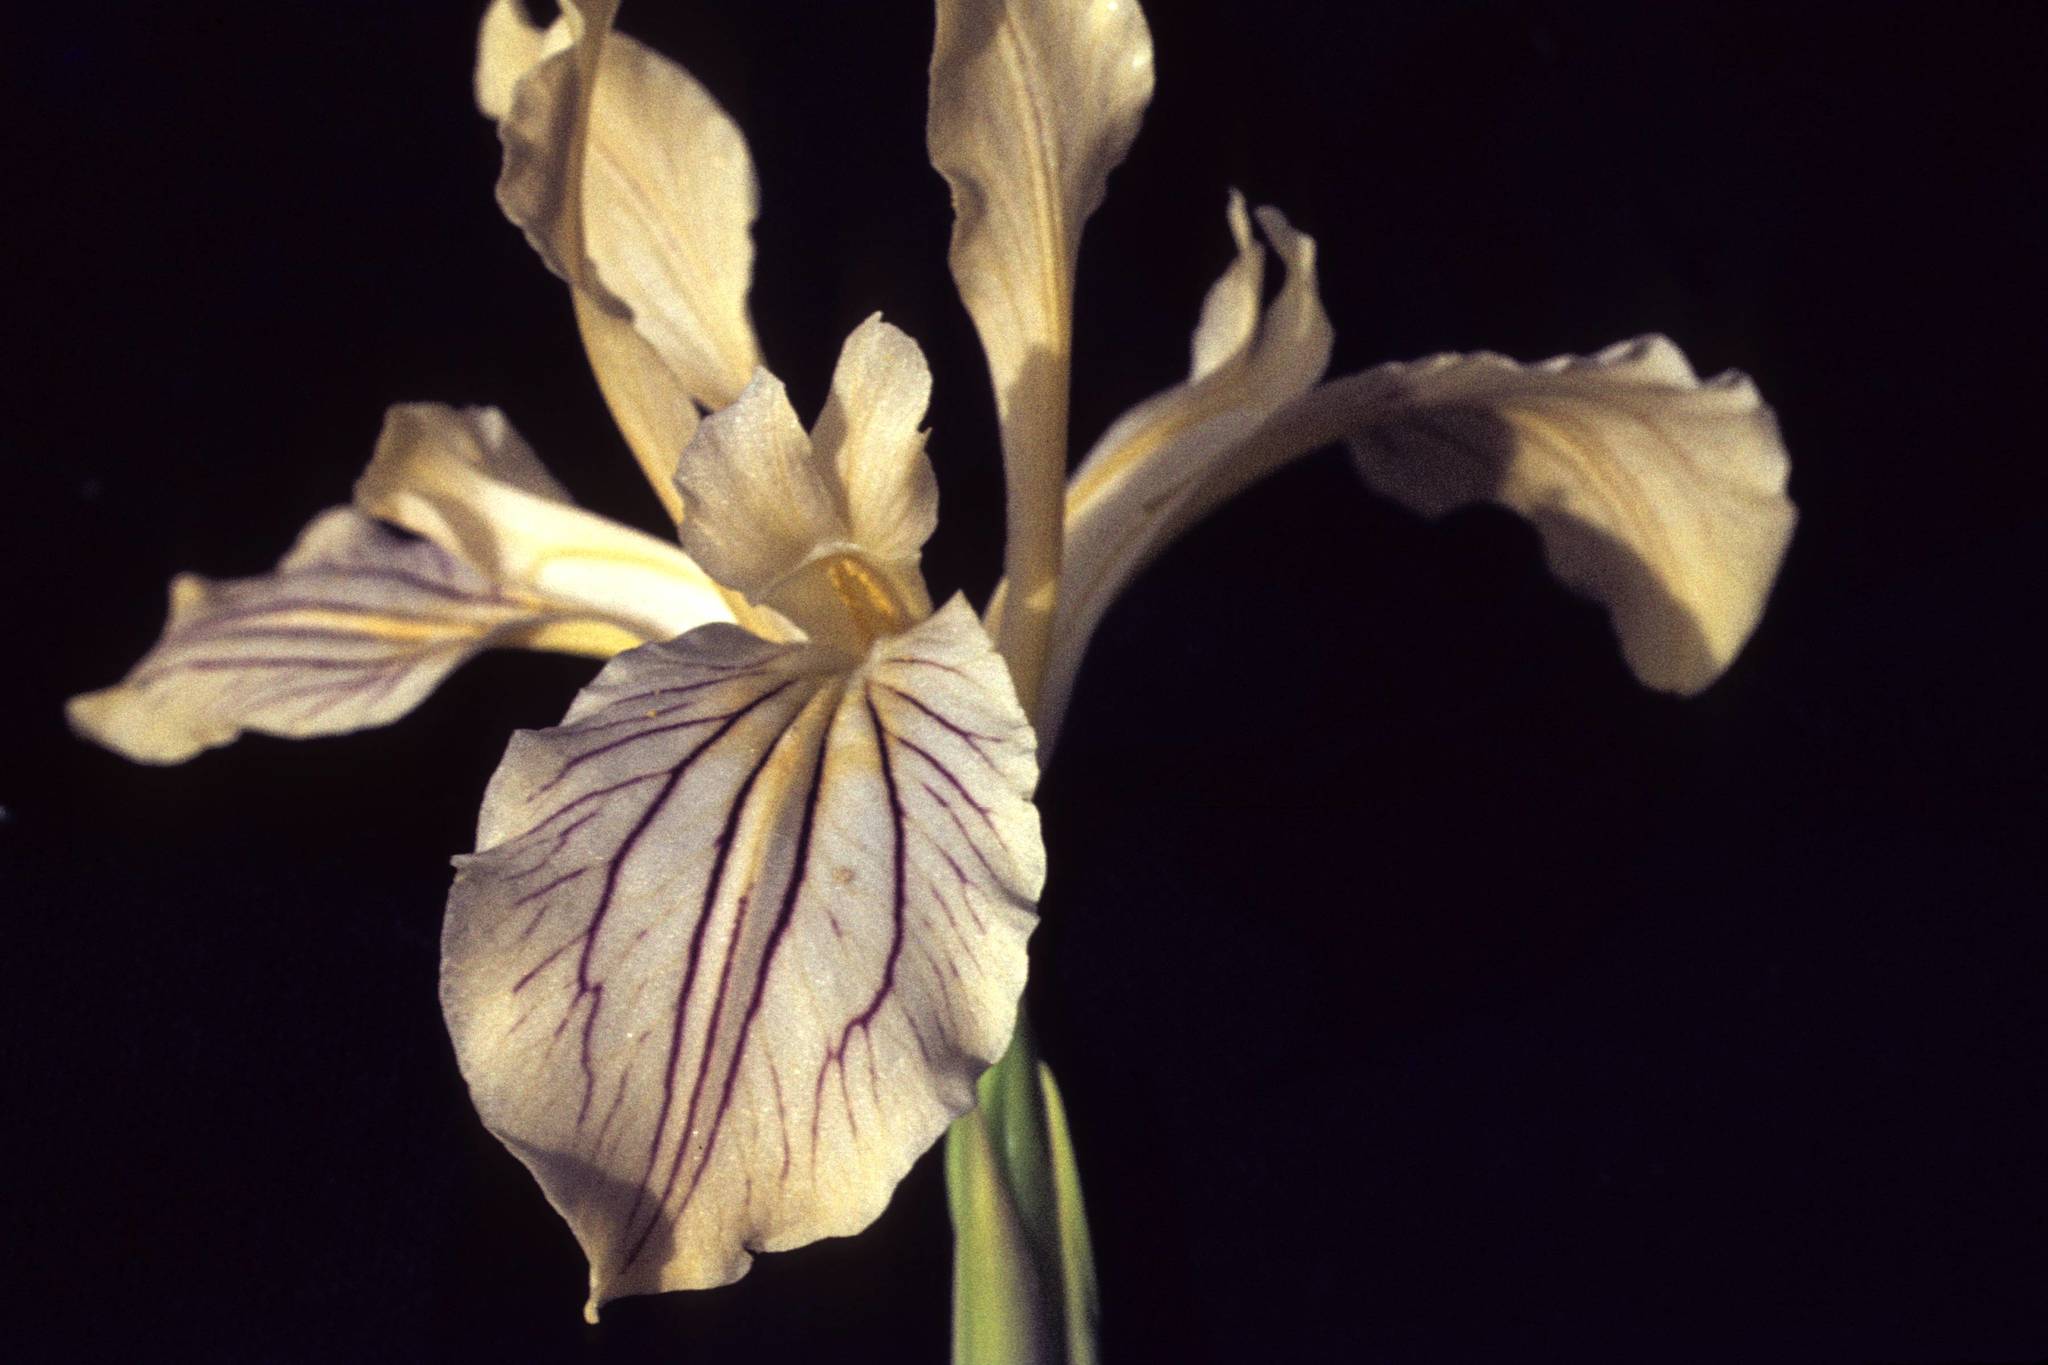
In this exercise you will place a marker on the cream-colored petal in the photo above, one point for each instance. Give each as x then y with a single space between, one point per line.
739 937
636 188
1230 310
870 435
462 478
757 504
1033 103
508 45
1657 494
1143 480
353 629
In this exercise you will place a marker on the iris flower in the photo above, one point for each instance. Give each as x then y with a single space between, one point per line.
741 934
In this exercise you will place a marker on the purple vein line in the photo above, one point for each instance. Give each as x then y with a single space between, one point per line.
615 865
694 960
799 872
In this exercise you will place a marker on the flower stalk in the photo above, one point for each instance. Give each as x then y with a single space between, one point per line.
1024 1289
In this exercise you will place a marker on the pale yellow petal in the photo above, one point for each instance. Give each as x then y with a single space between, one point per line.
822 529
1033 103
462 478
508 45
1658 494
1143 480
870 435
637 189
757 503
739 936
355 626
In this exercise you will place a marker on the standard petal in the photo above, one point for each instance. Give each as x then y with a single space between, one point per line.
869 435
1142 481
462 478
1658 494
740 936
637 189
354 627
1032 106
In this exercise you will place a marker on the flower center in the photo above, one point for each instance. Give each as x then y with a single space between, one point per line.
871 601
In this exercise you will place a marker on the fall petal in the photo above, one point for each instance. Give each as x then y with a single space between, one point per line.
1144 480
1656 493
637 189
353 629
462 478
739 937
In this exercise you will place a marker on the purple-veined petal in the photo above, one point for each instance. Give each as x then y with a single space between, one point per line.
353 629
740 935
637 189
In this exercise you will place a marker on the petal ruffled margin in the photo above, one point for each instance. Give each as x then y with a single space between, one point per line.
740 935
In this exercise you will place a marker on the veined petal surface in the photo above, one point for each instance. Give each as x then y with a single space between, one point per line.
1142 483
739 937
637 189
353 629
462 478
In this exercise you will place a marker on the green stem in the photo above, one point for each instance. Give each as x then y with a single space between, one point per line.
1023 1271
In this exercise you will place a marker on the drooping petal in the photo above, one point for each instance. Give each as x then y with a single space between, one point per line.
1130 495
464 479
353 629
636 188
1032 105
1658 494
740 935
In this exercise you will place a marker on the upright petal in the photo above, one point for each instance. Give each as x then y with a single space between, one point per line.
739 937
462 478
1661 496
1130 494
825 530
1033 103
353 629
870 434
637 189
758 504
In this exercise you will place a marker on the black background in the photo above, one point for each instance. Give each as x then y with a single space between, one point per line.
1423 990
